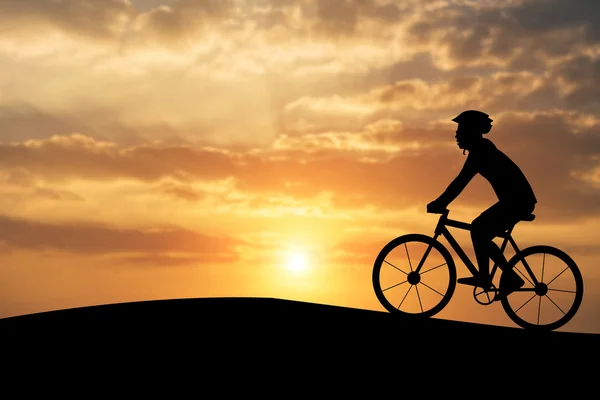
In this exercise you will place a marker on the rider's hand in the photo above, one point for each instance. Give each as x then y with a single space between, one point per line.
436 207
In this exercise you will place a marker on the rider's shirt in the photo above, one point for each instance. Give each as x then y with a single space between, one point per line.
507 179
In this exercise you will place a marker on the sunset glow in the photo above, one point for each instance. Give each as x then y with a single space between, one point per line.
197 148
296 262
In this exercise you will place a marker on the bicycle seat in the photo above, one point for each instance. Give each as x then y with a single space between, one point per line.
529 217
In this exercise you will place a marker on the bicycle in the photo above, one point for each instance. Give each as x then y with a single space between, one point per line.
442 286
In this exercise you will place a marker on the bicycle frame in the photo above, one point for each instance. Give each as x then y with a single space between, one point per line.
441 229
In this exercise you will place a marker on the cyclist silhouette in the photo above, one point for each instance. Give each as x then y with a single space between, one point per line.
515 196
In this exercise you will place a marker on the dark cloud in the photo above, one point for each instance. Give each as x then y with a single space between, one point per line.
341 17
420 66
327 18
529 32
547 15
337 17
301 20
23 122
92 239
79 157
112 19
496 92
352 22
501 90
95 19
185 20
145 5
584 74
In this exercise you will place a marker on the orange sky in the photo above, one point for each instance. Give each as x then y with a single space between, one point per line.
166 149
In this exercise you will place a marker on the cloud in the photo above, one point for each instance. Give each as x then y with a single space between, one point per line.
184 20
92 19
581 75
344 18
182 24
183 192
257 85
557 14
157 244
21 121
498 90
387 165
380 137
78 156
528 34
260 73
412 99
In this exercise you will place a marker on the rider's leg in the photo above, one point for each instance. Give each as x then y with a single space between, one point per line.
497 255
491 223
504 217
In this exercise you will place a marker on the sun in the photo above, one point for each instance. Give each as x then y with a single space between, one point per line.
296 261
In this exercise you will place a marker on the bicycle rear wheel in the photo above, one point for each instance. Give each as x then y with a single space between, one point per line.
401 289
551 302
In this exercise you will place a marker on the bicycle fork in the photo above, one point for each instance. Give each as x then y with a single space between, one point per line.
418 269
435 238
437 233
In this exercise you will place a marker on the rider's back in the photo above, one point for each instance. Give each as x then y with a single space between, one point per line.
505 177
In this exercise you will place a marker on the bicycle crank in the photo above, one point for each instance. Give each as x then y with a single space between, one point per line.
485 296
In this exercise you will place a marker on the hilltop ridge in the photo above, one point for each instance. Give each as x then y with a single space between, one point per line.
283 334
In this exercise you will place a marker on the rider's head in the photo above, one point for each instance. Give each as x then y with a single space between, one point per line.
472 125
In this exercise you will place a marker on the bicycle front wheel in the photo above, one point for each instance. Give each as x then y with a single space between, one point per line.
553 289
414 275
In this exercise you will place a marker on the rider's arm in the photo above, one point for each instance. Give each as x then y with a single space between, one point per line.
459 183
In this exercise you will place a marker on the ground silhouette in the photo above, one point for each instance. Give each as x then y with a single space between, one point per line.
224 341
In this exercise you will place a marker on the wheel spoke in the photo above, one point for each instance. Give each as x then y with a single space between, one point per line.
430 288
543 266
419 297
556 305
539 305
407 256
404 298
548 284
393 286
562 290
395 267
431 269
532 297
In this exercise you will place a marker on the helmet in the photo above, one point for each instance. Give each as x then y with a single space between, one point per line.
475 119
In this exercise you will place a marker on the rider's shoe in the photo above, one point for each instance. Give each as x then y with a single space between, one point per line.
479 281
509 282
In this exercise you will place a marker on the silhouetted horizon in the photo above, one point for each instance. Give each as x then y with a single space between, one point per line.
161 149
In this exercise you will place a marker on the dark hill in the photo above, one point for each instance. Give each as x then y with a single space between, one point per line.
261 336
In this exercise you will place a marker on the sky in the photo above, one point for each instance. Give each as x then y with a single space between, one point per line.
223 148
